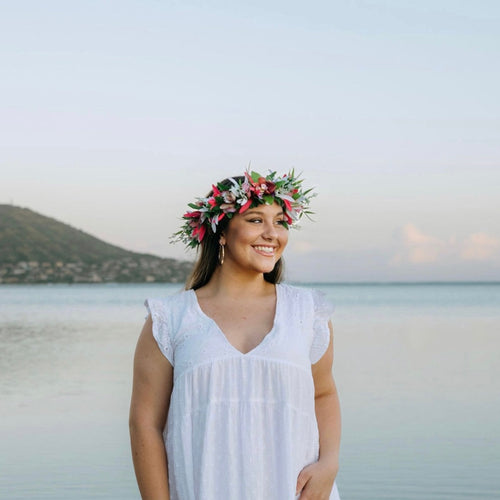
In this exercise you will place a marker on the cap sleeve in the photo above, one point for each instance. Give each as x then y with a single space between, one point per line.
161 330
323 309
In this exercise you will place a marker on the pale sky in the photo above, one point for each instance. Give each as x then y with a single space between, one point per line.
114 115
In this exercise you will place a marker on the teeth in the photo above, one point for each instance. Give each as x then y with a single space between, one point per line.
265 249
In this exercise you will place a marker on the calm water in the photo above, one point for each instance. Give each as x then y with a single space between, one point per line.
416 366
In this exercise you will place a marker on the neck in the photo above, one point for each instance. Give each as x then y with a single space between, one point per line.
226 282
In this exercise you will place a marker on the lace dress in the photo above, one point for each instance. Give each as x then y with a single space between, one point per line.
241 426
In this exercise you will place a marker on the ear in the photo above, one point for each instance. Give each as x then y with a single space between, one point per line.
222 239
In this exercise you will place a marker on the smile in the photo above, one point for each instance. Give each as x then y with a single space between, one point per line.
265 250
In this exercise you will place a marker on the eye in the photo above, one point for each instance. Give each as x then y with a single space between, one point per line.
255 220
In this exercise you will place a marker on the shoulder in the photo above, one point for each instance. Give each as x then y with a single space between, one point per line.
166 315
293 290
169 308
306 296
169 302
297 293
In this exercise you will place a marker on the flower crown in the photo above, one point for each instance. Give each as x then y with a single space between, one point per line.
226 200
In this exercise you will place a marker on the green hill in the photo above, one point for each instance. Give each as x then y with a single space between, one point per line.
29 236
36 248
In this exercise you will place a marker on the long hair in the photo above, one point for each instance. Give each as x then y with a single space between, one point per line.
208 253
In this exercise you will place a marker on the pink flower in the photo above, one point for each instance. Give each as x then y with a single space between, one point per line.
228 197
228 207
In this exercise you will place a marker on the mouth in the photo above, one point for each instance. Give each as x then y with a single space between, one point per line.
265 250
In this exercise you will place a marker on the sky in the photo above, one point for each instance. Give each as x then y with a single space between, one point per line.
114 115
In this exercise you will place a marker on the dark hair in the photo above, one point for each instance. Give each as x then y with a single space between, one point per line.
208 253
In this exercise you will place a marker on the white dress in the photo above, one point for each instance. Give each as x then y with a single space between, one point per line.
241 426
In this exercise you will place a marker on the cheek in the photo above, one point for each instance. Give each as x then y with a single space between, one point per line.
284 238
240 236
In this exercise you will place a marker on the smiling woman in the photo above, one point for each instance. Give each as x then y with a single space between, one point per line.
233 391
255 240
210 216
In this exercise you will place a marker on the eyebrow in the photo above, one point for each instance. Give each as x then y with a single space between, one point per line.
259 212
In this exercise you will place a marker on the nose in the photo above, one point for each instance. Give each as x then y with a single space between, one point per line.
269 230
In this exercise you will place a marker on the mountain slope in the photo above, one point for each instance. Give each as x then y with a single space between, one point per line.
35 248
29 236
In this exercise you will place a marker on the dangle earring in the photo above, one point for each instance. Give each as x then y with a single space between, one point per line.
221 254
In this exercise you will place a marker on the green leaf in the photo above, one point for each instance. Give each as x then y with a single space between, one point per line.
255 176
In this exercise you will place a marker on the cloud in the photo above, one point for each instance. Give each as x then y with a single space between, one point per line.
417 247
480 246
413 255
421 247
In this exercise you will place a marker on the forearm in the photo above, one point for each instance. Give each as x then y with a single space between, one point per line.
329 426
150 462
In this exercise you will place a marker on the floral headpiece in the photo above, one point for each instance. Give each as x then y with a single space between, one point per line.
241 195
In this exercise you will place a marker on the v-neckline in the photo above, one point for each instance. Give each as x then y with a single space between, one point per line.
264 340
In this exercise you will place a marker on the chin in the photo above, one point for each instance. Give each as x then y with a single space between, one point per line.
268 269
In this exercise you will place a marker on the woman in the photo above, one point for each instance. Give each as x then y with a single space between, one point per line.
239 363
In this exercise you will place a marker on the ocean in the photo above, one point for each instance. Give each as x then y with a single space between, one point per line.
416 367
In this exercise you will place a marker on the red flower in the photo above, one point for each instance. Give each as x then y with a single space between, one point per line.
262 186
270 186
192 215
199 232
245 206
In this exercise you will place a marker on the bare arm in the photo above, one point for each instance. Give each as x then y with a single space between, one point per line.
316 480
327 406
152 387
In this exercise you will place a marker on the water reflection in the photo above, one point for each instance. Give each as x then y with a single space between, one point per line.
416 368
